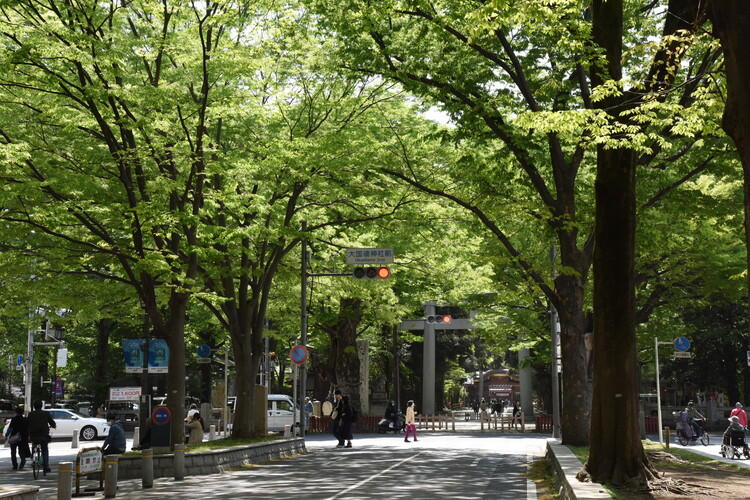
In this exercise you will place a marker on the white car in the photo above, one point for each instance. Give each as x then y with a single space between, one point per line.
68 420
280 412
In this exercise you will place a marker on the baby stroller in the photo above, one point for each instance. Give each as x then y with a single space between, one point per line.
733 445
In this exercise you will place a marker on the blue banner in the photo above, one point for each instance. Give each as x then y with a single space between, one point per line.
133 352
158 356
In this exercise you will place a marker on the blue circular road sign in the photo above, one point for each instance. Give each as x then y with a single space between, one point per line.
204 350
682 344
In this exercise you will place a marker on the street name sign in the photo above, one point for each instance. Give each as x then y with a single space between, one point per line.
355 256
682 355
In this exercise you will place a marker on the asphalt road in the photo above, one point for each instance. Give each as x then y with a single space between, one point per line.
438 466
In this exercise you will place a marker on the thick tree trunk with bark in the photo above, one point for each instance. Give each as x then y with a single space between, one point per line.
344 344
616 453
576 394
175 335
731 23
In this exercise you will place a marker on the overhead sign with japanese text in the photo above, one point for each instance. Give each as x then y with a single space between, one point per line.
356 256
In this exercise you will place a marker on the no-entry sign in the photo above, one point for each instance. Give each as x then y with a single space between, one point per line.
298 354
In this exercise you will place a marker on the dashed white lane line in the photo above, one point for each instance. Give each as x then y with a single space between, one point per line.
364 481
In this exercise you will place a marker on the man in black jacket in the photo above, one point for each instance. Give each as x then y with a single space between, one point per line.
40 422
115 442
18 426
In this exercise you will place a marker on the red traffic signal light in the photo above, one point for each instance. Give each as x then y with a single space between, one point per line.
369 273
437 319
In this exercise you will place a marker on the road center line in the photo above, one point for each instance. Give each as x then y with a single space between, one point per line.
357 485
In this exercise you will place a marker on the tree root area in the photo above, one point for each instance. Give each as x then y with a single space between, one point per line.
682 479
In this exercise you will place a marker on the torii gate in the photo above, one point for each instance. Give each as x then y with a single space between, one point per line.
428 358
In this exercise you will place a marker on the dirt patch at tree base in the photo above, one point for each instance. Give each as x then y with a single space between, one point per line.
684 479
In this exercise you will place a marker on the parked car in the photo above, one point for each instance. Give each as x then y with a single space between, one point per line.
127 412
7 409
68 420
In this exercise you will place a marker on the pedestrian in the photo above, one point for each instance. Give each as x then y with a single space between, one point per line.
308 411
739 412
347 420
475 407
114 444
196 426
100 412
410 418
482 409
336 414
17 434
516 415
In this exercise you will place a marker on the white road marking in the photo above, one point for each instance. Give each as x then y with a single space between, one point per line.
364 481
476 462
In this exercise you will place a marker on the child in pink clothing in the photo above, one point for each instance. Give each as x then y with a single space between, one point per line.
410 421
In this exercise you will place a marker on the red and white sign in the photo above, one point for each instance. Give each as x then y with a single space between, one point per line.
124 393
298 354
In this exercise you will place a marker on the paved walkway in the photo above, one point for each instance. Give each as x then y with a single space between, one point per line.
438 466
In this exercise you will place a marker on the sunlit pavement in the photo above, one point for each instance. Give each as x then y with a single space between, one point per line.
711 451
439 465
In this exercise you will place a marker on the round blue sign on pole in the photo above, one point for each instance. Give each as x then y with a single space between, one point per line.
682 344
161 415
204 350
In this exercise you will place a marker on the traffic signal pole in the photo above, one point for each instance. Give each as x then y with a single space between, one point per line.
428 362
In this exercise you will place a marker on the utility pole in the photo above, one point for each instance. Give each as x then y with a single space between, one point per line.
303 331
145 413
554 322
428 362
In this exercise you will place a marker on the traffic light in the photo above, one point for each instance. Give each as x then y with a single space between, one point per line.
438 319
369 273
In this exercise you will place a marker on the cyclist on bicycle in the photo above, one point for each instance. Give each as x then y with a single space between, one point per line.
696 419
40 422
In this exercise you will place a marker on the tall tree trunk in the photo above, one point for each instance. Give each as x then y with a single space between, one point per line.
731 22
616 453
344 344
101 362
175 336
576 386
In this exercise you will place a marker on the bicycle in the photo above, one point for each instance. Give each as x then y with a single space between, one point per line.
37 461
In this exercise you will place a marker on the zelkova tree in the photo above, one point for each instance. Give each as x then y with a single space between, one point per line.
731 19
616 452
516 79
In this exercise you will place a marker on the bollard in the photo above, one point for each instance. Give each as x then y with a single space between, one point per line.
432 417
179 462
136 438
147 468
287 430
523 422
65 481
481 421
110 476
211 432
453 424
666 437
74 439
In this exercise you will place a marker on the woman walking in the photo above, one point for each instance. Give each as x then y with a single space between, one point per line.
410 418
196 429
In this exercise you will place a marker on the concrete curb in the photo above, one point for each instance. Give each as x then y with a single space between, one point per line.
19 492
214 461
566 466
